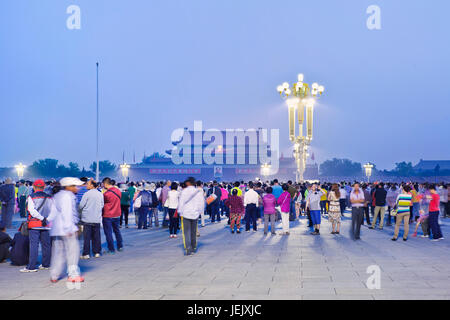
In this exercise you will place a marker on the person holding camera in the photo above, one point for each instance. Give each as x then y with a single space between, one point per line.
313 203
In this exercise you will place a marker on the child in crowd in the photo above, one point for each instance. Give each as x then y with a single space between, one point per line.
422 221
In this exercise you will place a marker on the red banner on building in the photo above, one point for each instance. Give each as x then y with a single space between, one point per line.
175 171
247 171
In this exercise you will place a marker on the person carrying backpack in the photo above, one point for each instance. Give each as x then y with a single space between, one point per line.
39 206
214 206
143 205
153 205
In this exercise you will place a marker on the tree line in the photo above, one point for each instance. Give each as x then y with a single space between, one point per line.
52 168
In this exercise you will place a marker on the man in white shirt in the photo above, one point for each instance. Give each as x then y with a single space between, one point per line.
251 204
190 206
357 200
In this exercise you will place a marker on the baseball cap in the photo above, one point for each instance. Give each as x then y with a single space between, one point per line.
39 183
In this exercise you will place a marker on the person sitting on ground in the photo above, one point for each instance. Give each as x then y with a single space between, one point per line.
5 243
20 247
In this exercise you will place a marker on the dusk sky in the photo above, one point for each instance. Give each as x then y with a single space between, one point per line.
164 64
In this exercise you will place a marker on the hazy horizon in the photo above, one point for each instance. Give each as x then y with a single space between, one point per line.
164 64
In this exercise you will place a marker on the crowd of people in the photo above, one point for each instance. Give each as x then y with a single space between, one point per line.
57 213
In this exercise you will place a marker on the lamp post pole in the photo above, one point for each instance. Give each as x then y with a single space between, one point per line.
97 171
300 97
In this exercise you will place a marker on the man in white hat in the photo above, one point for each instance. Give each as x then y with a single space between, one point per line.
64 219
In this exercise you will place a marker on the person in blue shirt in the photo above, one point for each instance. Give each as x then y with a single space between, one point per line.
277 190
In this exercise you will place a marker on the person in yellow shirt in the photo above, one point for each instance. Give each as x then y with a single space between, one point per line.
324 201
236 187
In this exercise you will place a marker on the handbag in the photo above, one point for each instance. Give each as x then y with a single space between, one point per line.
211 199
394 212
175 215
137 203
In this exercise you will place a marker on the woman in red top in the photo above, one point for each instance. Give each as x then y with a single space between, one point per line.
433 218
236 205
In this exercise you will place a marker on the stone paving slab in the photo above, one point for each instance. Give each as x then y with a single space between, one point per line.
252 266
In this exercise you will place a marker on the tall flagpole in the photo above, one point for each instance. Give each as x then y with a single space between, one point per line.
97 172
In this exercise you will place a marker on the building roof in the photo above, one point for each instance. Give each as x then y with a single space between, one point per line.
426 165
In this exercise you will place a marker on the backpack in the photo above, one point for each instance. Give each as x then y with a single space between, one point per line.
146 199
154 199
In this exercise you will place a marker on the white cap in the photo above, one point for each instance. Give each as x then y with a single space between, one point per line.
69 181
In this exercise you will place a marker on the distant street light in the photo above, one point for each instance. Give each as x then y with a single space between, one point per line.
20 168
368 167
265 170
125 168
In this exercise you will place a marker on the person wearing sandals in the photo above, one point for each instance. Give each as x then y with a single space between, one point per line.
403 204
334 212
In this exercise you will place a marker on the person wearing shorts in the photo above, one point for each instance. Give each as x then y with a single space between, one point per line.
313 203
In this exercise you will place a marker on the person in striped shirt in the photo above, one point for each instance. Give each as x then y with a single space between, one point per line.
403 204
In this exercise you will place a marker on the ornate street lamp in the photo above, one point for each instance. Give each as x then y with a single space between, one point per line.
368 167
20 168
300 97
125 167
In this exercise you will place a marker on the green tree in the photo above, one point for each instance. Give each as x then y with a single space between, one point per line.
404 169
340 168
74 169
45 168
105 167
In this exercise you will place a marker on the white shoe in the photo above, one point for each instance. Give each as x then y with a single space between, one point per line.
25 270
41 267
424 236
85 257
441 238
97 255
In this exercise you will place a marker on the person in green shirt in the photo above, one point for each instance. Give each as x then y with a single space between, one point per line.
125 205
132 192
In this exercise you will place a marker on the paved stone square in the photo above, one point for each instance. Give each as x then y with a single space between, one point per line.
252 266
